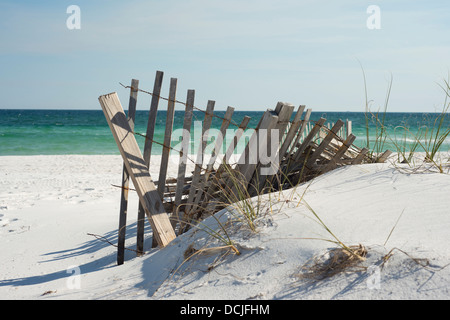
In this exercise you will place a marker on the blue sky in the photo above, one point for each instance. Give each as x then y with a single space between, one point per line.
246 54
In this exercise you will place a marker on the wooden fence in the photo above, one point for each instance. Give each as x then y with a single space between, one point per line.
304 149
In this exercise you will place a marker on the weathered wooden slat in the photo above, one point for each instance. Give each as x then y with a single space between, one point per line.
259 180
337 159
219 142
293 130
234 143
183 155
221 172
318 151
148 143
292 133
295 161
247 169
137 169
384 156
246 154
360 157
152 117
284 112
349 128
167 137
126 178
166 144
309 138
215 152
198 165
303 126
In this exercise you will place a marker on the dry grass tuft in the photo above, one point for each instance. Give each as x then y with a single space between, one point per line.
334 261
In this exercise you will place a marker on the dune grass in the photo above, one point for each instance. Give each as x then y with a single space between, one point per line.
428 139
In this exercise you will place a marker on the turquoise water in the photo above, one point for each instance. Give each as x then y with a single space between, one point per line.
44 132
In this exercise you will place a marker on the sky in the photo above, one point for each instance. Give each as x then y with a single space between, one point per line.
245 54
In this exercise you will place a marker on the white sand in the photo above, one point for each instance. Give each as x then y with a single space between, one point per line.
49 204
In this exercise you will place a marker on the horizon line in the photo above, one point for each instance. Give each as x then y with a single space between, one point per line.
221 110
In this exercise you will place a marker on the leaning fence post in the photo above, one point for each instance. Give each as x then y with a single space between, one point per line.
147 155
166 144
183 155
126 178
135 164
167 137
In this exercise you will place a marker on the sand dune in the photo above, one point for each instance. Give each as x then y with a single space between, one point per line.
49 205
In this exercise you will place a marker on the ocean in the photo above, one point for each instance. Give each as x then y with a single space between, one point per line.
57 132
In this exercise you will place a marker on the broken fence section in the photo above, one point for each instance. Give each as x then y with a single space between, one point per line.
303 150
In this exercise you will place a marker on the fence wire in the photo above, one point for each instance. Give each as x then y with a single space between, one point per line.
323 127
230 121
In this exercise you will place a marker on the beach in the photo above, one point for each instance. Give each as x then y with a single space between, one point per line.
332 118
59 220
